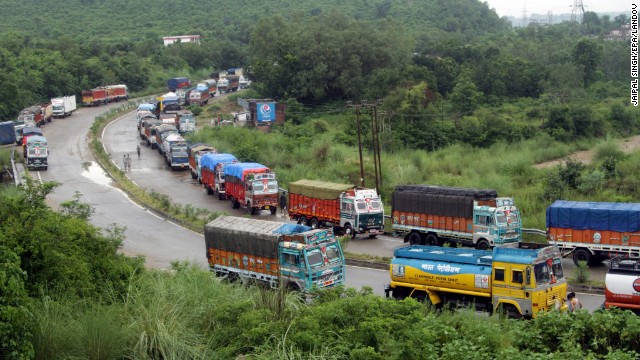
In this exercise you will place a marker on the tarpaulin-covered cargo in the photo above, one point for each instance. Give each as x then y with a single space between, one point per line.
210 161
253 237
620 217
318 189
439 200
7 133
239 170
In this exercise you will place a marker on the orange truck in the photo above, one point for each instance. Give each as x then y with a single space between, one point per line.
349 209
594 231
433 215
274 254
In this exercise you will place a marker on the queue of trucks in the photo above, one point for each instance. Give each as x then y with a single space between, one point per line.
503 274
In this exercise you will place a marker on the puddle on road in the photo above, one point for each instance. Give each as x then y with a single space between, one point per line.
94 172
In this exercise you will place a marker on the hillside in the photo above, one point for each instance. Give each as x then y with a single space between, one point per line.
136 20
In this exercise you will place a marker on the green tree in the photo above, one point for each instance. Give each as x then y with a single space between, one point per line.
588 53
465 97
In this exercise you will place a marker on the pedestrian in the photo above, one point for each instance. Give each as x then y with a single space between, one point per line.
138 150
129 161
283 202
574 303
124 161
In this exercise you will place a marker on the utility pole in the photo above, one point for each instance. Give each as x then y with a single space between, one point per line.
377 143
358 113
373 144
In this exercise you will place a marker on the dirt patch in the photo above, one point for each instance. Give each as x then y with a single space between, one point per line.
627 146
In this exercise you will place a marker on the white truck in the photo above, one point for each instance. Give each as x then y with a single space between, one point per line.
63 106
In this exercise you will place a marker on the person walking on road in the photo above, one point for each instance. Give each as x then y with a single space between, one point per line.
283 203
138 150
124 162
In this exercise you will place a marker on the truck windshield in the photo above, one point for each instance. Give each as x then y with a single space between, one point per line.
180 150
187 119
57 107
260 187
548 272
314 257
363 206
332 253
507 217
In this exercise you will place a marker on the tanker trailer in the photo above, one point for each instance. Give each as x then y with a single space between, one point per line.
518 282
622 284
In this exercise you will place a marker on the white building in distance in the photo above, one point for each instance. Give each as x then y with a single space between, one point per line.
168 40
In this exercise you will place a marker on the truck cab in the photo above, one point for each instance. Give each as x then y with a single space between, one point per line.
361 211
314 261
37 152
186 122
622 284
496 225
261 192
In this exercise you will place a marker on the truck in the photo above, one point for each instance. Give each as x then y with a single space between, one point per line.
47 111
199 97
36 152
234 82
162 131
32 116
117 92
63 106
183 95
622 284
517 282
594 231
195 153
212 86
222 85
148 131
94 97
433 215
274 254
251 185
7 133
174 149
185 122
178 83
212 174
347 208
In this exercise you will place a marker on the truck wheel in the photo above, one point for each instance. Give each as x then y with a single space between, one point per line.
314 223
194 175
220 196
581 255
302 220
250 210
432 240
348 231
273 210
235 204
415 238
509 311
209 191
483 245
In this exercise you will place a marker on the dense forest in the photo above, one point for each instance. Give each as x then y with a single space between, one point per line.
464 99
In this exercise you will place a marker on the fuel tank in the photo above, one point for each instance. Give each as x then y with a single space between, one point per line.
622 284
453 268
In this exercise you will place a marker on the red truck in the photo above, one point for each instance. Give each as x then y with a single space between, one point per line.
32 116
117 92
212 175
94 97
622 284
347 208
195 153
252 185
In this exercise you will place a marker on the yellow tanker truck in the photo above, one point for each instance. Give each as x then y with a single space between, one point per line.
518 282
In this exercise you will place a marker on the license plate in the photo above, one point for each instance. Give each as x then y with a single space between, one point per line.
267 207
326 283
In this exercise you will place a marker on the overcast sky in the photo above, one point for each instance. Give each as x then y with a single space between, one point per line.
514 7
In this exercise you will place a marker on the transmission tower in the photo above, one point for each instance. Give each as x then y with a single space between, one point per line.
525 22
577 11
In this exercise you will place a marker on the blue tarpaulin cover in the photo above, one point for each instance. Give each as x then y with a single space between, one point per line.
290 229
237 169
621 217
210 160
7 133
